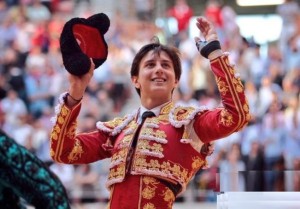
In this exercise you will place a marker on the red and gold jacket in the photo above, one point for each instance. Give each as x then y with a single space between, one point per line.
168 145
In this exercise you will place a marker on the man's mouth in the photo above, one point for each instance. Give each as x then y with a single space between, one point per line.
158 79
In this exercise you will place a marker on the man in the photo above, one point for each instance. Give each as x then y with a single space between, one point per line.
25 179
153 158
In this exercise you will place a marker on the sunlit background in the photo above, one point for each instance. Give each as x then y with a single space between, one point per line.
262 38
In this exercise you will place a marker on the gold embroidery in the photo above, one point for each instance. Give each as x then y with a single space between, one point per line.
117 172
52 153
76 152
160 134
168 197
114 123
145 145
182 114
64 111
54 135
157 134
153 120
164 119
246 107
121 154
126 141
197 162
147 131
71 130
222 86
150 180
226 118
56 129
148 193
132 125
166 109
165 168
238 85
248 116
60 120
149 206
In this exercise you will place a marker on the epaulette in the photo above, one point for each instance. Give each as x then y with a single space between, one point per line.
116 125
183 115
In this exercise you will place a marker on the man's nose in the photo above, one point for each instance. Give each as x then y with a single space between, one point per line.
159 68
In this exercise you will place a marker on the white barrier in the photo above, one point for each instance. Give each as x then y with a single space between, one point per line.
258 200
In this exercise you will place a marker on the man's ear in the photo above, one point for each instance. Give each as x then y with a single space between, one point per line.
176 82
135 82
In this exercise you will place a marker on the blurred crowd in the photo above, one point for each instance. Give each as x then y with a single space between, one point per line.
264 156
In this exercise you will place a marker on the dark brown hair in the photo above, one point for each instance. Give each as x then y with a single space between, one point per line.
157 48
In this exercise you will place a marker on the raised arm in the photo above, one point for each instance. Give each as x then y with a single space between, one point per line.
234 114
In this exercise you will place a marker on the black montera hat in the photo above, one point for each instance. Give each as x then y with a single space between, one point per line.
82 39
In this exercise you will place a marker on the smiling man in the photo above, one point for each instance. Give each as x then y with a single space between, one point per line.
156 150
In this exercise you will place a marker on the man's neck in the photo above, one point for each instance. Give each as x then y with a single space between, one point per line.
151 103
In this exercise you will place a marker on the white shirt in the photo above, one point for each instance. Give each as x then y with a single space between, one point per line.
155 110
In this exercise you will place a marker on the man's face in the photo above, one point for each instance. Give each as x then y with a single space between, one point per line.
156 77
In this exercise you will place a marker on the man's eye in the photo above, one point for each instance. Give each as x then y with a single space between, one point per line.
166 65
149 65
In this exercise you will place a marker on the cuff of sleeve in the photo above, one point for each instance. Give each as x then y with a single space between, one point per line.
210 47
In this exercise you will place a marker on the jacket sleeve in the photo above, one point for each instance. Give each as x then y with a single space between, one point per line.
68 147
234 114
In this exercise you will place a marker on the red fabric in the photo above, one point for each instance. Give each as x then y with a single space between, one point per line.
90 41
214 14
183 15
129 194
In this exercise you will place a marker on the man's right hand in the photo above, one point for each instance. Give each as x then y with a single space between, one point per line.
78 85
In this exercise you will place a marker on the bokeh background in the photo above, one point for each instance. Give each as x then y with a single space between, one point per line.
264 45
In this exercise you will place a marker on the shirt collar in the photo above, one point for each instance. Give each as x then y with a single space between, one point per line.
155 110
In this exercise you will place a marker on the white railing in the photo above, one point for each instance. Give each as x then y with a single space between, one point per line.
258 200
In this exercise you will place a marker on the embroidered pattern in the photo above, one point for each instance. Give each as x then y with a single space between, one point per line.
155 149
119 157
150 134
238 84
115 126
116 174
180 116
149 190
226 118
236 90
58 107
76 152
149 206
152 122
125 141
164 168
222 86
198 163
169 197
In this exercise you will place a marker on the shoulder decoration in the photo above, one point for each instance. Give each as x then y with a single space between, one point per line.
181 115
116 125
